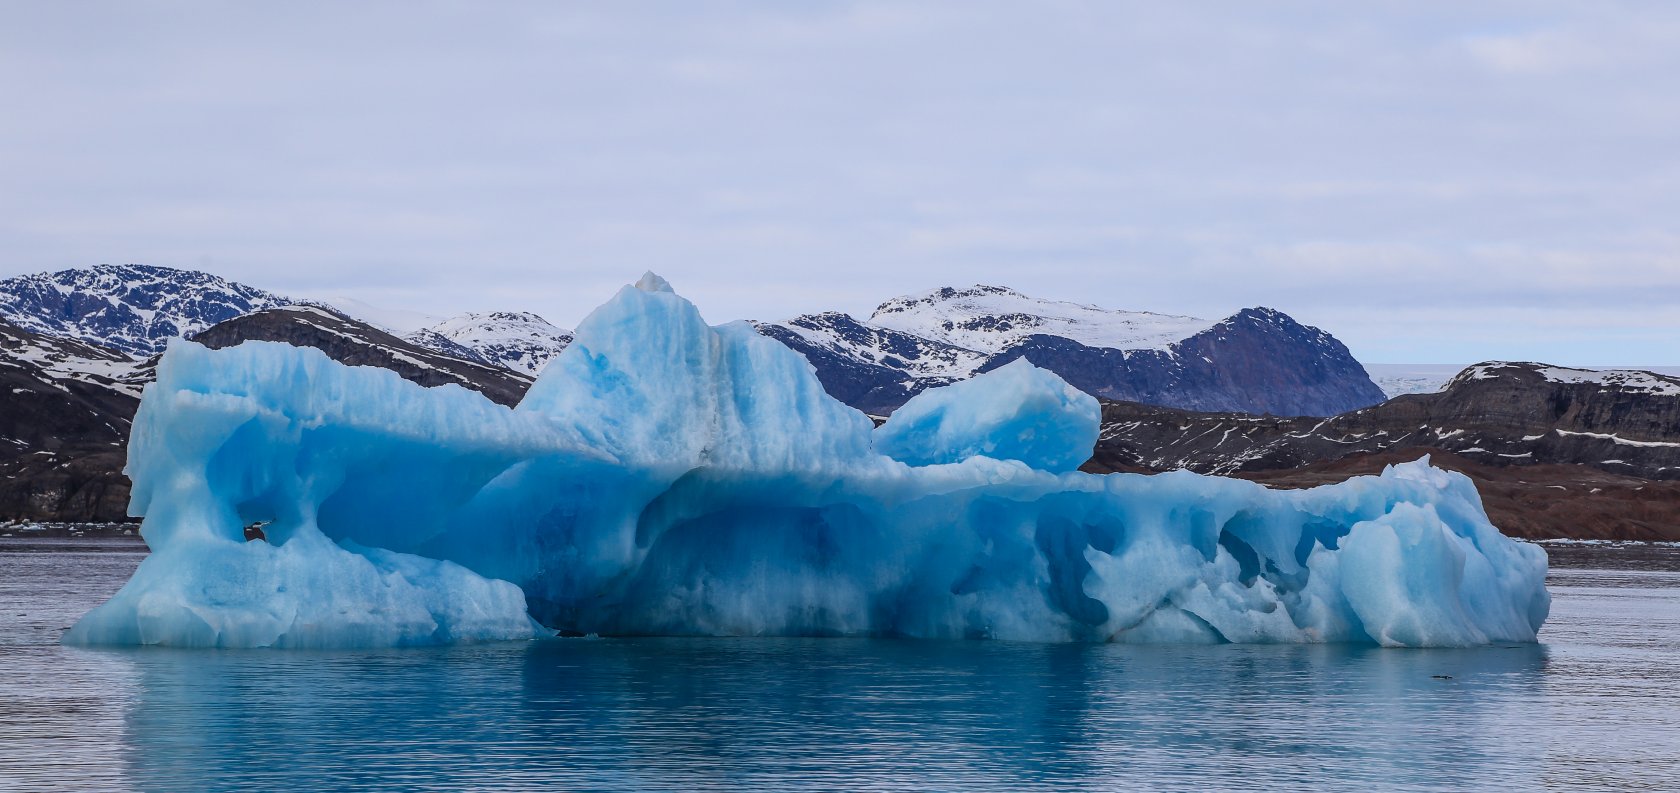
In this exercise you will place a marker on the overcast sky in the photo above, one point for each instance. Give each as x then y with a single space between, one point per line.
1431 182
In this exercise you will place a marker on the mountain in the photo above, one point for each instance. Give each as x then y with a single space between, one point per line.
1623 422
1587 444
1256 361
991 318
350 341
1555 451
1427 378
66 406
516 340
872 368
128 307
65 409
136 309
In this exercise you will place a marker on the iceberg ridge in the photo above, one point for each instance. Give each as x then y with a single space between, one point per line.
664 476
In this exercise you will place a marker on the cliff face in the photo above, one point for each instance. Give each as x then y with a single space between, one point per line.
1556 452
1501 414
64 416
1259 361
355 343
1539 501
871 368
66 407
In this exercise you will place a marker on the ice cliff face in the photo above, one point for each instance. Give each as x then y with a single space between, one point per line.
664 476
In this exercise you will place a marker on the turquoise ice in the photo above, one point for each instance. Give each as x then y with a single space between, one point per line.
665 476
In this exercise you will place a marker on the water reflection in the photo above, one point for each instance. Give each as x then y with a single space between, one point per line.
774 714
1593 708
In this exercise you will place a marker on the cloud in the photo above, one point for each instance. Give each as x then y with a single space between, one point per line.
1532 53
1369 167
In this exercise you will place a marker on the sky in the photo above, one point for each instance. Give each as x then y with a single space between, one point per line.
1431 182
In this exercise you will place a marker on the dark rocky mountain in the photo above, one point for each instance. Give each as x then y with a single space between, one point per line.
1540 501
1256 361
1556 452
128 307
357 343
66 407
1599 450
1500 413
137 309
871 368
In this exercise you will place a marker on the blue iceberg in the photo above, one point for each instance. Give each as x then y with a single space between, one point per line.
667 477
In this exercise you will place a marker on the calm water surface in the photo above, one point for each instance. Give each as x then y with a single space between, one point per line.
1595 706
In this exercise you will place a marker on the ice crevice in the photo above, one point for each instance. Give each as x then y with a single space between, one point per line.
668 477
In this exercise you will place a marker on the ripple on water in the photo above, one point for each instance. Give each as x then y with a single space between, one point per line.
1592 707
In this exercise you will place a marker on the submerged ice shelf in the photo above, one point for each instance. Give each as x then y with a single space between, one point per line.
668 477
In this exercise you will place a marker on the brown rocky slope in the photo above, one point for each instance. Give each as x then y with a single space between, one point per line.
1555 452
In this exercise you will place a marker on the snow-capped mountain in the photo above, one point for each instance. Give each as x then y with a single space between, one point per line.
65 409
1257 360
136 309
351 341
1427 378
66 406
872 368
989 319
129 307
516 340
1628 381
57 362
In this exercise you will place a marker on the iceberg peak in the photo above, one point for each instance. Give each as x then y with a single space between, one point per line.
651 282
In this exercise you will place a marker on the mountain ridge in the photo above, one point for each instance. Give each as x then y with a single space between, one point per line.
1598 447
1257 360
133 308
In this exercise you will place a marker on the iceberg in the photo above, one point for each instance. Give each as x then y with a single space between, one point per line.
668 477
1014 412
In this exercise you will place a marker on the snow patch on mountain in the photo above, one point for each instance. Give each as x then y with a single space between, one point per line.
516 340
1257 360
400 321
1428 378
130 307
990 318
917 356
52 360
1621 379
1630 380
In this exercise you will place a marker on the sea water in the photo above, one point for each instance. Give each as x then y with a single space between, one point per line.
1592 707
